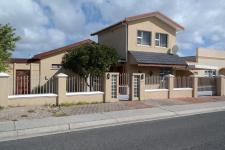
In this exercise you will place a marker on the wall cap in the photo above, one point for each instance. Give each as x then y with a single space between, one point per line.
61 75
196 76
3 74
170 75
222 76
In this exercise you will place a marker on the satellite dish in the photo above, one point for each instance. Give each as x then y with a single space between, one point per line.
174 50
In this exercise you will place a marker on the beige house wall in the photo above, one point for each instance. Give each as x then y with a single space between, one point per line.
153 25
46 70
210 57
34 73
115 38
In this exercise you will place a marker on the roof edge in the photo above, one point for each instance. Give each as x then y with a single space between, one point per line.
60 50
142 16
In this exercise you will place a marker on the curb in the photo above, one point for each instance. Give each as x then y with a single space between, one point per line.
67 127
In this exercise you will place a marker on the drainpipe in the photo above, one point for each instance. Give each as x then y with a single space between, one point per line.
126 46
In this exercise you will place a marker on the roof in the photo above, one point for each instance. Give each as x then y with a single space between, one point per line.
142 16
60 50
189 58
19 60
157 58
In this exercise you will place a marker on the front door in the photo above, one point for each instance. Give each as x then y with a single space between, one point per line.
22 81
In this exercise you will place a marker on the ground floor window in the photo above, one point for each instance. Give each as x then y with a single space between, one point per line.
165 71
210 73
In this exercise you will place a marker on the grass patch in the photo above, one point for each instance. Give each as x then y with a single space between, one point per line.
24 116
96 102
67 104
79 103
59 114
31 111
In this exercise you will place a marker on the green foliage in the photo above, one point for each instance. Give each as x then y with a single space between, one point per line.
8 41
90 59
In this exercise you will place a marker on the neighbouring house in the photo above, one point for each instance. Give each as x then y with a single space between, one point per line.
26 74
145 44
207 62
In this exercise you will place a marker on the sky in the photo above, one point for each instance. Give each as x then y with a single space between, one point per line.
47 24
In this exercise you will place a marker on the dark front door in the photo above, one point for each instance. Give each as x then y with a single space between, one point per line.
22 81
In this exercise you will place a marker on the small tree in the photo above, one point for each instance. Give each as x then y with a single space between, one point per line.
90 59
8 41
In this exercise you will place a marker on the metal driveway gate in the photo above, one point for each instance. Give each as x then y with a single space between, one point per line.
207 86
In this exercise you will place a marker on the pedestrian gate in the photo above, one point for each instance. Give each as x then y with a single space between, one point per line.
207 86
124 83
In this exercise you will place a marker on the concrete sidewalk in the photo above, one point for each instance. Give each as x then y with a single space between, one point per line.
27 128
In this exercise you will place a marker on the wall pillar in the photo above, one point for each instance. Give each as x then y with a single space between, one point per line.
111 87
140 82
61 87
4 92
220 85
170 80
142 86
195 85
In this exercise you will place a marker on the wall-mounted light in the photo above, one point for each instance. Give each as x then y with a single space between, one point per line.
108 76
142 76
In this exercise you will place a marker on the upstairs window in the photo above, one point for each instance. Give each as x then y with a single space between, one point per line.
144 38
161 40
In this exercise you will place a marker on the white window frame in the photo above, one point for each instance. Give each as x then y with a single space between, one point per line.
160 41
56 66
210 73
141 37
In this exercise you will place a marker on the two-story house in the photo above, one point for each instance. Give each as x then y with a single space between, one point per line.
145 43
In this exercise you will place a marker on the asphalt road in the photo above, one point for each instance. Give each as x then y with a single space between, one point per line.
199 132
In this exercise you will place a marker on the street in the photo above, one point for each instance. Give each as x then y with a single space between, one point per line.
198 132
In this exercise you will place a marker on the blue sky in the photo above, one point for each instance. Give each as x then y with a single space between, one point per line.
47 24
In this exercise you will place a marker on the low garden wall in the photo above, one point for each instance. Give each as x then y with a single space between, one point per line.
26 100
156 94
182 93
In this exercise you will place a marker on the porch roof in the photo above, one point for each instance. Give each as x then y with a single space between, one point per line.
157 58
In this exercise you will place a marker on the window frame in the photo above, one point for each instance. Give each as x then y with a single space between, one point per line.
210 73
141 37
59 66
160 41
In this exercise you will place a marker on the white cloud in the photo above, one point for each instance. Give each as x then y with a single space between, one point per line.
47 24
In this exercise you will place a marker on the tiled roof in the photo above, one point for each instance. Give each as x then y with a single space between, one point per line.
157 58
189 58
60 50
142 16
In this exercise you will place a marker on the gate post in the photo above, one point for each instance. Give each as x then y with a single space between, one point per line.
4 92
195 85
137 86
142 87
170 85
220 85
61 87
111 87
